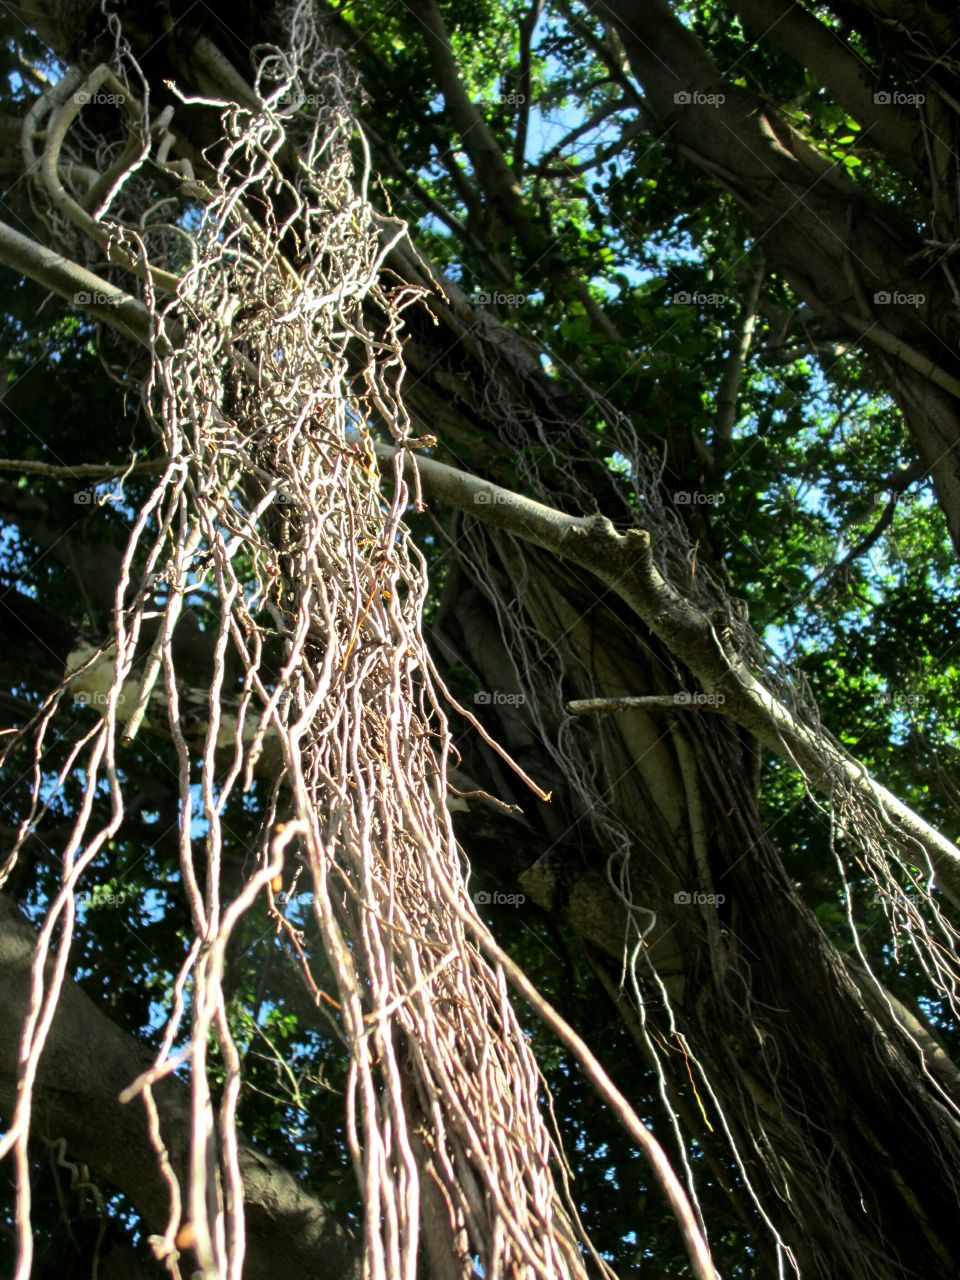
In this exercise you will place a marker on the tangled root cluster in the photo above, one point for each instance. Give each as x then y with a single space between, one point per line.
270 521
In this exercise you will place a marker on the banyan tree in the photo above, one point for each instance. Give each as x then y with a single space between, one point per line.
439 840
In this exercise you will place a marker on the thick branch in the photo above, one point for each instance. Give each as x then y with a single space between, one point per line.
75 283
87 1062
846 77
803 208
674 702
624 563
476 138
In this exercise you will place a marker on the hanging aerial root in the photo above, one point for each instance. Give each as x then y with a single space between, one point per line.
269 516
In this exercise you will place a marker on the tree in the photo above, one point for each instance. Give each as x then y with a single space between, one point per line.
637 457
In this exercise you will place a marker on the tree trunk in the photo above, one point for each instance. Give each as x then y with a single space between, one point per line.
797 1066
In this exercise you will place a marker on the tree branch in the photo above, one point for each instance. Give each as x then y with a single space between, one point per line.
476 138
630 130
736 359
624 563
497 179
847 78
672 702
88 1061
80 287
527 25
803 207
593 121
866 543
80 470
